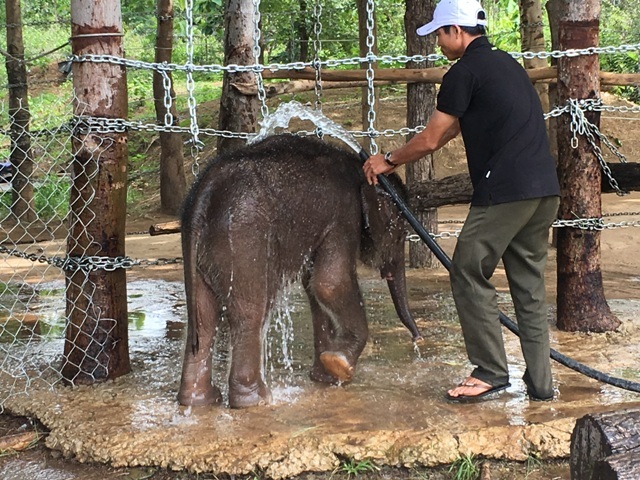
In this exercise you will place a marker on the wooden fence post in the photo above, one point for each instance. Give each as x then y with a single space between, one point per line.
96 344
581 302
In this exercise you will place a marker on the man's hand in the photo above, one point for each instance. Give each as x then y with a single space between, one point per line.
441 128
374 166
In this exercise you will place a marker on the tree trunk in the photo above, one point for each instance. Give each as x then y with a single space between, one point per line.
607 441
173 182
553 14
368 117
19 116
303 32
420 106
238 113
581 302
532 39
96 344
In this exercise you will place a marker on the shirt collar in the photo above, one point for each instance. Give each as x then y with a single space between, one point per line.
481 41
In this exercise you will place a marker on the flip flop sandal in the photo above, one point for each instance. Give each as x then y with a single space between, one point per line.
476 398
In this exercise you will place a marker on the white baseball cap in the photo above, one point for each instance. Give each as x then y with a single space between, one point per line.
463 13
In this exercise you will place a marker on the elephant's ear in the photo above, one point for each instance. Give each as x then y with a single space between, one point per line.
365 207
372 215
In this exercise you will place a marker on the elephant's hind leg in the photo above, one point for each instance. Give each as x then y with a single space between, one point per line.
247 307
246 377
196 386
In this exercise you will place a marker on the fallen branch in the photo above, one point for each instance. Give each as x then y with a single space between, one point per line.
164 228
19 442
432 75
457 189
296 86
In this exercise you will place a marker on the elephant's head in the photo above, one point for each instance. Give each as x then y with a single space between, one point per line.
382 244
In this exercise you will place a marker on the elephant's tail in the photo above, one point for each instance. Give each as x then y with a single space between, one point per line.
190 282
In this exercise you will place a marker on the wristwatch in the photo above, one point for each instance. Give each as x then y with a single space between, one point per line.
387 160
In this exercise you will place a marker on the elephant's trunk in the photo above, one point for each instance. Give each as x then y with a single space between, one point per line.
394 274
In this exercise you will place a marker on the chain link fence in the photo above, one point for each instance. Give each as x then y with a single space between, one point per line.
36 271
33 248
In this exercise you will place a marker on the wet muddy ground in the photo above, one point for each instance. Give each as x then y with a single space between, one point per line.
393 416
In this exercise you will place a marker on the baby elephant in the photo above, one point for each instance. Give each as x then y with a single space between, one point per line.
285 208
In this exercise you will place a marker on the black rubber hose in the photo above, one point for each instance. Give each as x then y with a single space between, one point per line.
506 321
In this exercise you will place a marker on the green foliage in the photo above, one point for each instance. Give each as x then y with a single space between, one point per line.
39 37
50 199
351 467
504 24
532 464
465 468
337 24
48 107
44 12
140 88
208 16
620 24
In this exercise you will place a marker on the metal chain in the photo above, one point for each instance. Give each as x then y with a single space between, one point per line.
233 68
593 224
317 46
89 263
580 125
196 144
257 34
371 92
168 101
580 223
105 125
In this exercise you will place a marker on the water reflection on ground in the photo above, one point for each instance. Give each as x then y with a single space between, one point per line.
393 412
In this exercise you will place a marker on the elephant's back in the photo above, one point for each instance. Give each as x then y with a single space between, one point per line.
284 194
280 171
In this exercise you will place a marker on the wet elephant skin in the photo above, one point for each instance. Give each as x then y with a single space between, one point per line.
287 207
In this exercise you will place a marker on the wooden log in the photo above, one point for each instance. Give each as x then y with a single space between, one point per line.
18 442
429 75
433 75
457 189
598 436
450 190
164 228
626 174
623 466
295 86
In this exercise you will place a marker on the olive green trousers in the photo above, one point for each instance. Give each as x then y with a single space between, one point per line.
518 234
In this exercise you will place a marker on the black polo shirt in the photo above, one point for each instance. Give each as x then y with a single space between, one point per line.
502 126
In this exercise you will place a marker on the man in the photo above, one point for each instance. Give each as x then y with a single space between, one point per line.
487 96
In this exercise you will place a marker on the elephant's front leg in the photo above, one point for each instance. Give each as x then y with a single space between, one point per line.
323 332
340 324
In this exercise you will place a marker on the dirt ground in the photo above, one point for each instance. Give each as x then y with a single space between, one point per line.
621 267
